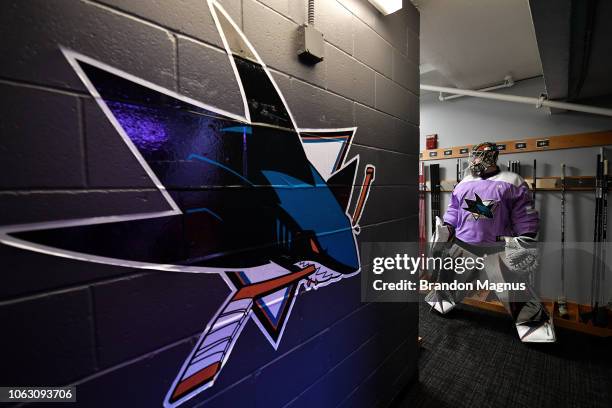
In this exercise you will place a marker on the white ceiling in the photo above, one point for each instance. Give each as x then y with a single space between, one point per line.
475 43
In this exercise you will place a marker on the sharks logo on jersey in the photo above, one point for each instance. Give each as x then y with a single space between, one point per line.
479 207
250 197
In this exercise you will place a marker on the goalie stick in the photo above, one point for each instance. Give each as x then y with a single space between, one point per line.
535 183
434 181
422 212
599 315
561 301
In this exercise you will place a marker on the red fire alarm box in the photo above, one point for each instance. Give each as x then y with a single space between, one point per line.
431 142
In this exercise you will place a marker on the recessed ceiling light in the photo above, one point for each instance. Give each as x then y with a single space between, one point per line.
387 6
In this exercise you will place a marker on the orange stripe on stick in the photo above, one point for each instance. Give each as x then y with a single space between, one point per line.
195 381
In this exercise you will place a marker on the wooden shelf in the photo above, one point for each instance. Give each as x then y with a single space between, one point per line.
536 144
572 322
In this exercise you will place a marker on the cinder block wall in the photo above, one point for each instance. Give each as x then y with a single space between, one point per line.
120 334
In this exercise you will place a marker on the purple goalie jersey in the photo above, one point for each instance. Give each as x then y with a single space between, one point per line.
483 209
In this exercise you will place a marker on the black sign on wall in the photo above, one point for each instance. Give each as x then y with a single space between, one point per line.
543 143
520 145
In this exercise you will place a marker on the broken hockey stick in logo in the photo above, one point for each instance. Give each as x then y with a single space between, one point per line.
363 195
216 342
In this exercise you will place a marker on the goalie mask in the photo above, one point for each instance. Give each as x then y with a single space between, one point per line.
483 156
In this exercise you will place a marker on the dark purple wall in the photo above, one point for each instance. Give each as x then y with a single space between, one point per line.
121 335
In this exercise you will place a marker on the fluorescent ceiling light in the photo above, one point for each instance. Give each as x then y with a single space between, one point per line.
387 6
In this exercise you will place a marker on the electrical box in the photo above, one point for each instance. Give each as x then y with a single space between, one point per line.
311 47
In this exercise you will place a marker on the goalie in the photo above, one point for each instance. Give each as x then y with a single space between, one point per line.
489 207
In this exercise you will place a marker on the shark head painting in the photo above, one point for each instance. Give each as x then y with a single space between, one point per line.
251 198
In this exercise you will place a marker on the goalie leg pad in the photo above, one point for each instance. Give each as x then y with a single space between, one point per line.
537 332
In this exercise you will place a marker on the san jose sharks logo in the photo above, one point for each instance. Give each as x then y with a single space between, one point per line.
251 198
479 208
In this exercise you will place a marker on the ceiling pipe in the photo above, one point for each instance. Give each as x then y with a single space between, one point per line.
508 82
537 102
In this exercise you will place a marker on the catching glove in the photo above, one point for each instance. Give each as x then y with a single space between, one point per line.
521 254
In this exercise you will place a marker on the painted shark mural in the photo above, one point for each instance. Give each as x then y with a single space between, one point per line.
251 198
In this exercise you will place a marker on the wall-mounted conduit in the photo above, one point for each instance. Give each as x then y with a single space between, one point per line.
311 12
